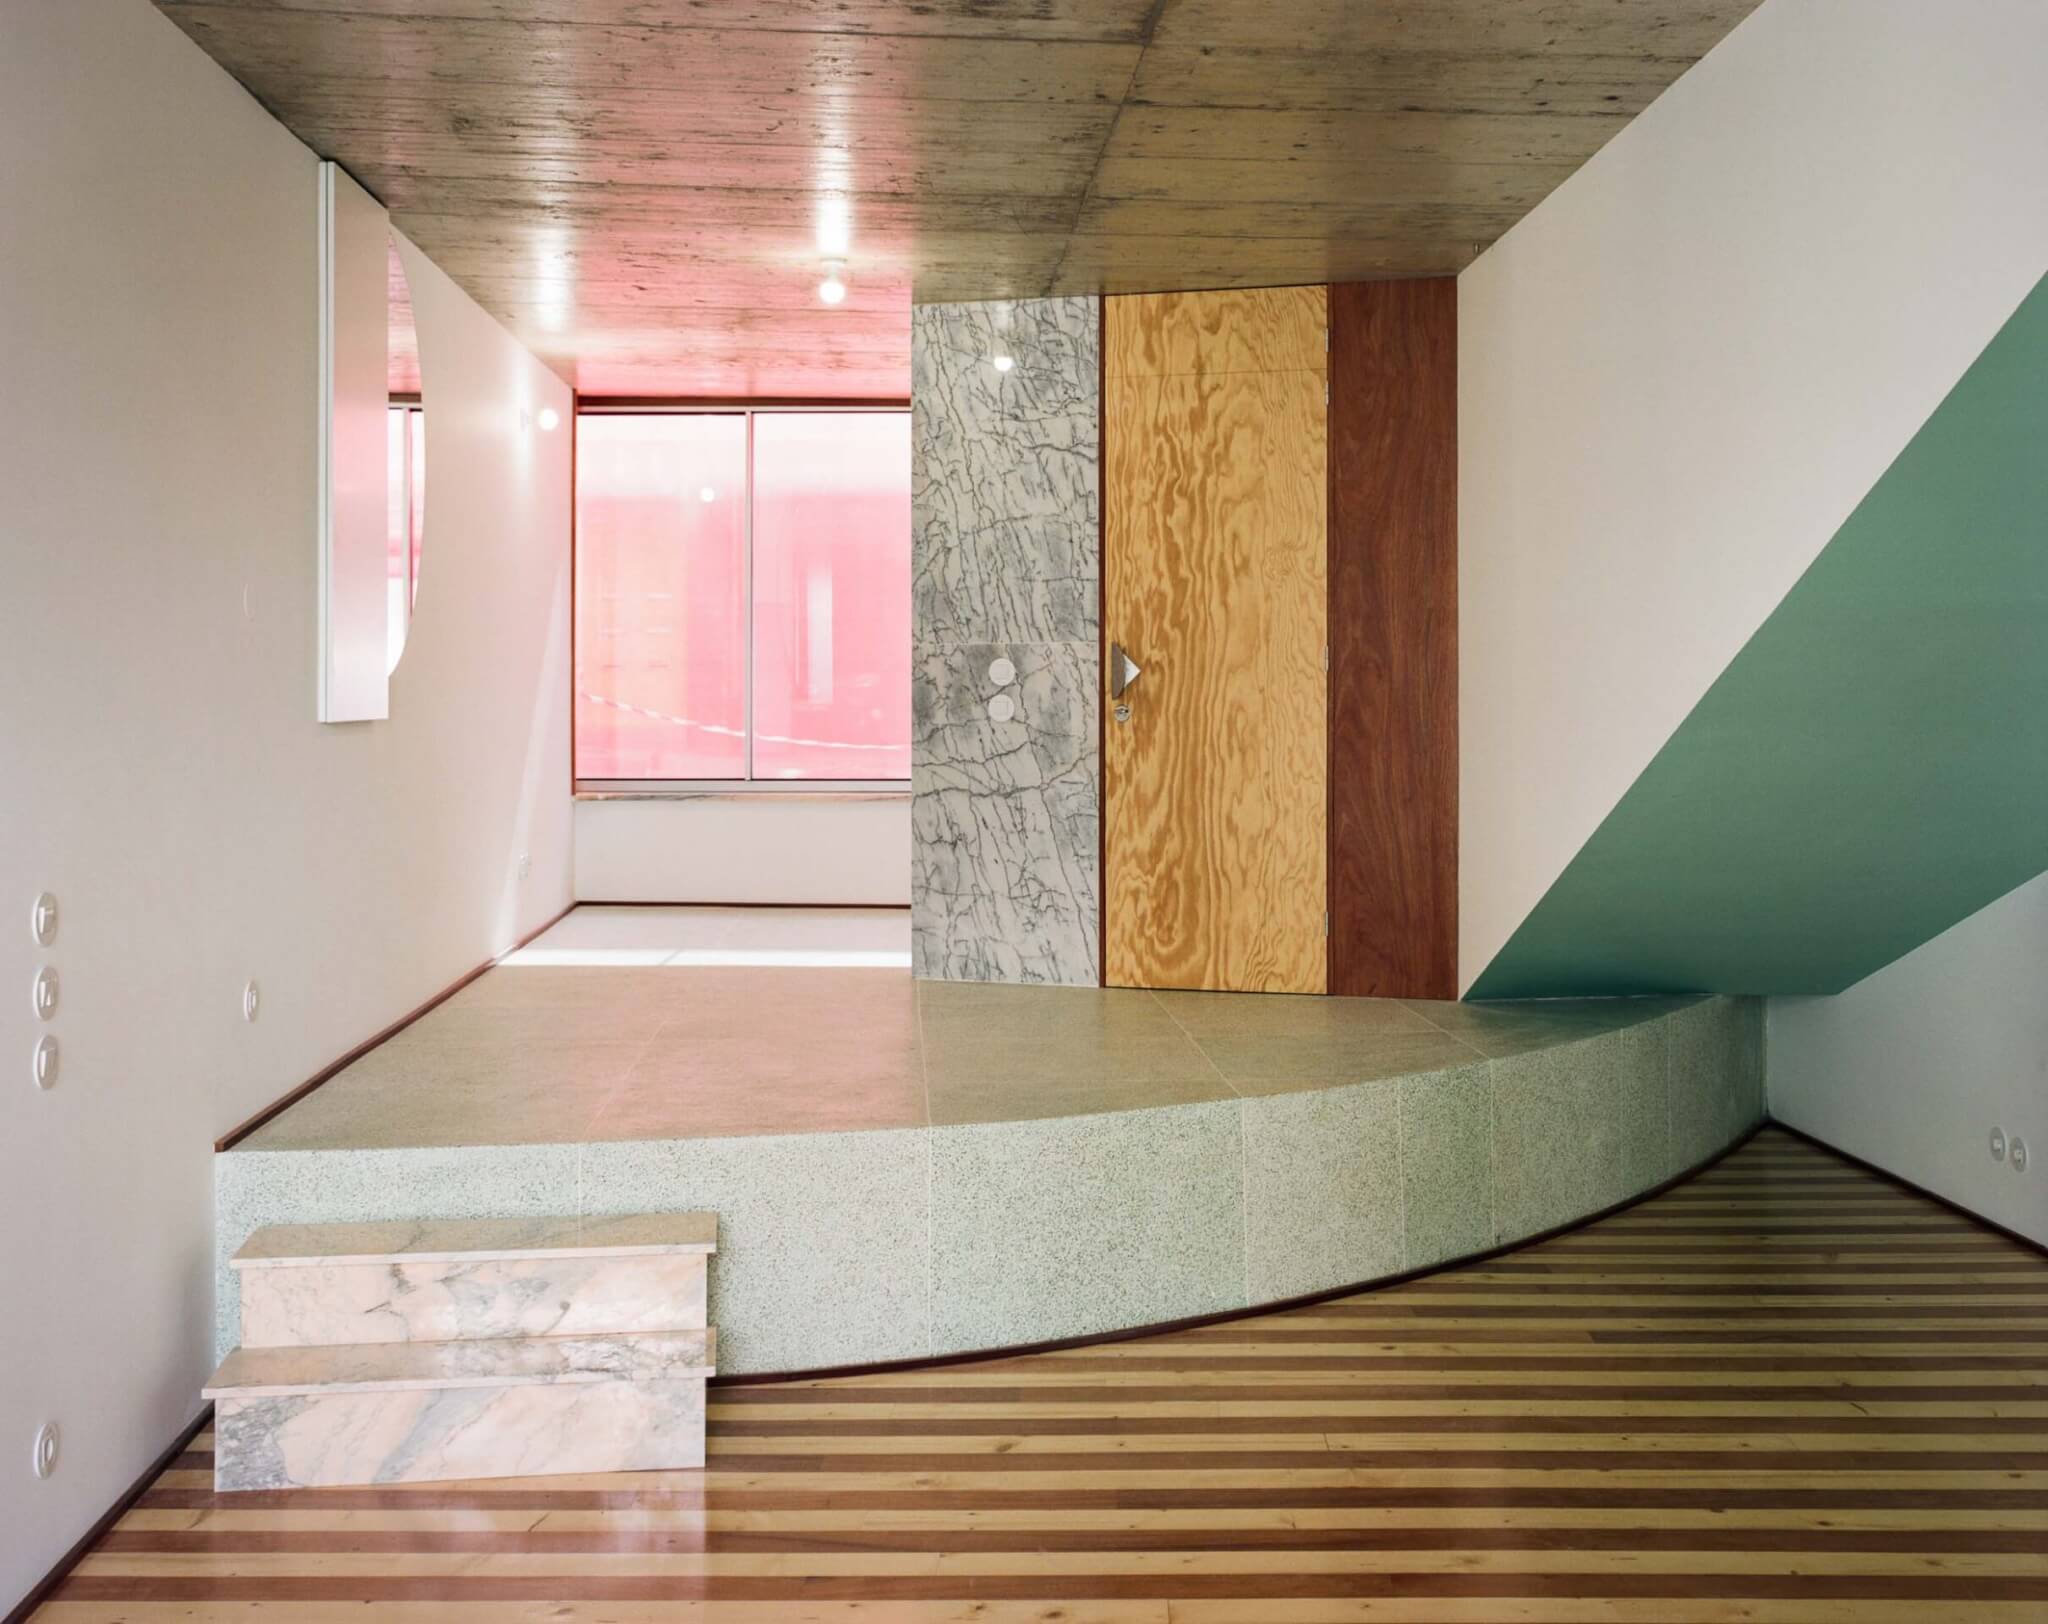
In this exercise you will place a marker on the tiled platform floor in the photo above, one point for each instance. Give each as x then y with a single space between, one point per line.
660 1023
902 1169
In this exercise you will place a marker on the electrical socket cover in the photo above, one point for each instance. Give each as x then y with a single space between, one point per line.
48 1445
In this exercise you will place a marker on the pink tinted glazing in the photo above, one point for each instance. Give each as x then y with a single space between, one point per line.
405 450
418 421
660 627
832 595
397 531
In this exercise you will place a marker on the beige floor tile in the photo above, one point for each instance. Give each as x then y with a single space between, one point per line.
1056 1037
482 1093
1500 1030
1252 1014
1281 1065
957 1100
1268 1044
769 1002
592 1019
807 1081
559 986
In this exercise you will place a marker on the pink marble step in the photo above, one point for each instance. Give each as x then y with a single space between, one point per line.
313 1285
421 1412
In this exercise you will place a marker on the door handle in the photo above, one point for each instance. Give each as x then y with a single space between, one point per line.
1123 671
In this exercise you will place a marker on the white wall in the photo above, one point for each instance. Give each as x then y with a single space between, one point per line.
1912 1067
1682 371
160 768
744 848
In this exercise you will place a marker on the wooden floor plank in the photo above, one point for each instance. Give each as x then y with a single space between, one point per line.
1783 1392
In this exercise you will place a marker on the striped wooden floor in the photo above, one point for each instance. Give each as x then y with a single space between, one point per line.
1784 1390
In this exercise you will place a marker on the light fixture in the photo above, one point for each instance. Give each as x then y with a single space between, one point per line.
833 288
707 494
550 419
1003 363
835 225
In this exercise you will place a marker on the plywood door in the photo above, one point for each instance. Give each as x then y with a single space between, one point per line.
1215 583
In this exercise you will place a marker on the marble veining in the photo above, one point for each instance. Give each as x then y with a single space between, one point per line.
1006 495
426 1240
437 1301
1005 471
1004 816
429 1434
525 1361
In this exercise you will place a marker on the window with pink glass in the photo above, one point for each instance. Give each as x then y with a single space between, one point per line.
743 596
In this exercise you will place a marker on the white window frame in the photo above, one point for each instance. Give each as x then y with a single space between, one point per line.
877 788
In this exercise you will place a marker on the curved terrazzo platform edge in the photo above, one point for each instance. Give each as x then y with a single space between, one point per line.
863 1247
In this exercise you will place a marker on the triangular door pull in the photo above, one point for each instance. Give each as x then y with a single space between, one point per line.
1123 671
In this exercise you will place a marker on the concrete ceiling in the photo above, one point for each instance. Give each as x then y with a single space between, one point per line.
644 190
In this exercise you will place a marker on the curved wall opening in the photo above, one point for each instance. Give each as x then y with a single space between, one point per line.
405 429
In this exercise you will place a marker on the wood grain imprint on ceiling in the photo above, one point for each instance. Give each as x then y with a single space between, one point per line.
645 191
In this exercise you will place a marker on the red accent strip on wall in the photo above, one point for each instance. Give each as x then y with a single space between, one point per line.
1394 639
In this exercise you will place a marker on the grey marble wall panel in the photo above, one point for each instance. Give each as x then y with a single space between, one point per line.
1005 561
1005 488
1004 815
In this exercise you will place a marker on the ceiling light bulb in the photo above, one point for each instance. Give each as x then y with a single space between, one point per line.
549 419
1004 363
832 289
707 494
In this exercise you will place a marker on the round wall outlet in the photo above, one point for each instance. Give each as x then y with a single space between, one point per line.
2018 1158
44 1456
44 993
45 1063
1998 1144
42 919
252 1000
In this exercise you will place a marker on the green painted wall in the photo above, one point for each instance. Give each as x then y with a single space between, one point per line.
1872 767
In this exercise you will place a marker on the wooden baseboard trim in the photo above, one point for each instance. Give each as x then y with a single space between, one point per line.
642 902
1196 1321
242 1130
44 1587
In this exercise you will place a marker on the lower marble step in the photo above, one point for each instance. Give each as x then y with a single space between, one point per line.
408 1412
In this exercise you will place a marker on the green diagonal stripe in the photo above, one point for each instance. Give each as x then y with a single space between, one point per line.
1872 767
